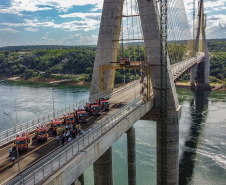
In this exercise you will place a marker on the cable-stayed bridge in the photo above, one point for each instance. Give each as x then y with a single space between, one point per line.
153 38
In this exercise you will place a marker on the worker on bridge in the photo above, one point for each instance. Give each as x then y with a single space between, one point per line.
10 151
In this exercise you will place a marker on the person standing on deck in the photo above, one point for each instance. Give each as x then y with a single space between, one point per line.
57 138
10 151
13 159
63 141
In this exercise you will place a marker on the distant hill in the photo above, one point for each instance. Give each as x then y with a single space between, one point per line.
33 47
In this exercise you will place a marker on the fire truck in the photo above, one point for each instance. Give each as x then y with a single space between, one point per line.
41 133
22 141
69 119
56 124
81 115
103 102
93 108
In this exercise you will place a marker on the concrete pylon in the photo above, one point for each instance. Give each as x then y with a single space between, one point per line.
131 152
167 163
107 45
207 62
107 42
204 67
102 168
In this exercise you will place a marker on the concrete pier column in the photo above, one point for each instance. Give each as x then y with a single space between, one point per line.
131 150
168 154
192 76
81 179
103 169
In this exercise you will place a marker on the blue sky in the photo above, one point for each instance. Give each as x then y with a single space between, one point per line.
76 22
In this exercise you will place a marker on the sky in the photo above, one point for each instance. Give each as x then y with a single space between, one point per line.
76 22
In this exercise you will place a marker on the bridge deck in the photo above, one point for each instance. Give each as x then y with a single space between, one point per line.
178 69
37 150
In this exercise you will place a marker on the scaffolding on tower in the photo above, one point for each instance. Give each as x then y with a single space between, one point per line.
130 51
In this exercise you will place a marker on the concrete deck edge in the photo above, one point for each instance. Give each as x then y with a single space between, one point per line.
83 160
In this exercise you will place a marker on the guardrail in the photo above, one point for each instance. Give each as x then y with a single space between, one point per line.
10 134
52 162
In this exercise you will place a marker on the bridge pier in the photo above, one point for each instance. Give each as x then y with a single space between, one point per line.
131 151
103 169
81 179
171 164
192 76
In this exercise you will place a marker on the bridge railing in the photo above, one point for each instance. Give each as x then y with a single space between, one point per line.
30 126
178 67
52 162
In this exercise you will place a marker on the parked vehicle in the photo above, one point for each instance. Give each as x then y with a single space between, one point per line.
93 108
56 123
69 119
81 115
41 132
103 102
22 141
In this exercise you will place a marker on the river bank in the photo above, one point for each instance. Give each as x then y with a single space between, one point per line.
44 80
184 85
212 86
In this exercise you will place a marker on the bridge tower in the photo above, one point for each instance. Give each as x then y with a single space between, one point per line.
162 82
200 45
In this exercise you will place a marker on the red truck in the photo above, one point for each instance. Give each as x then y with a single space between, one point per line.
56 124
22 141
81 115
103 102
41 133
69 119
93 108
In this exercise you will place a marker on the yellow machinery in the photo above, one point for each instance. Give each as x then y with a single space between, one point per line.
145 69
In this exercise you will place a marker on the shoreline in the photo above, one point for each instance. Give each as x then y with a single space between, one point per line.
211 86
182 85
45 80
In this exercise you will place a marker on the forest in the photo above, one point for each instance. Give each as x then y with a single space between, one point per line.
76 63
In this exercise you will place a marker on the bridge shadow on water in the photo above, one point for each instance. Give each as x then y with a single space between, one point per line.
198 110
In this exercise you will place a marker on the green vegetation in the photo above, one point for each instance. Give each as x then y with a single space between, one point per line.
73 64
217 49
55 64
76 63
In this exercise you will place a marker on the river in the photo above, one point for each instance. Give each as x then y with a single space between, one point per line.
202 131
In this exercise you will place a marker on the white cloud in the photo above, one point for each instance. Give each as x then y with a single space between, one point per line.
216 5
31 29
79 39
216 26
95 16
17 6
9 30
85 25
44 38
